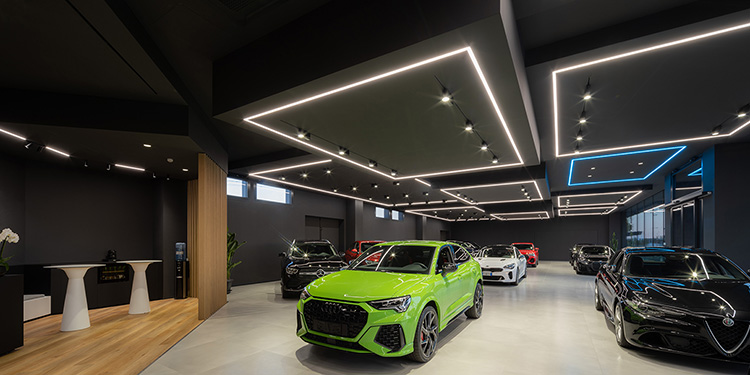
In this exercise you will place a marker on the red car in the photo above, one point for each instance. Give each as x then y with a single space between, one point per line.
531 252
358 248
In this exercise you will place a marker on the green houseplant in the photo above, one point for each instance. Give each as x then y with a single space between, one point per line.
6 236
613 243
232 246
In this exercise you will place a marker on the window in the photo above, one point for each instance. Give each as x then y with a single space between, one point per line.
236 188
272 194
381 212
397 215
462 256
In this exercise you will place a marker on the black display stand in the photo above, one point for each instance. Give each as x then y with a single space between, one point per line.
11 313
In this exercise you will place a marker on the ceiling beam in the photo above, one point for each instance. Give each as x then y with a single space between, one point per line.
613 189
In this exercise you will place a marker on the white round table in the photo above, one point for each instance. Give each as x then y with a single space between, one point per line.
76 308
139 293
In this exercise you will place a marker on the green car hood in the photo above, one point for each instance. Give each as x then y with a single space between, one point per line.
360 286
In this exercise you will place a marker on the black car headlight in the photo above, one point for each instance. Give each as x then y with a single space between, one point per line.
292 270
650 310
399 304
304 295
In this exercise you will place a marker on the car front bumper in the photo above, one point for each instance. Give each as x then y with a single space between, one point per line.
502 275
386 333
590 267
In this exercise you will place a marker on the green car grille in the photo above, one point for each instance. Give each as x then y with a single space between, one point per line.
334 318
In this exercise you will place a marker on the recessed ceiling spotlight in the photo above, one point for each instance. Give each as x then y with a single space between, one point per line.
283 178
589 176
406 195
582 119
396 183
369 198
426 193
302 134
523 188
579 136
742 112
170 160
354 188
469 126
335 190
373 164
343 151
328 171
485 146
495 160
640 163
167 177
447 97
304 175
587 91
631 172
593 168
184 169
716 130
146 145
394 173
387 197
374 185
577 150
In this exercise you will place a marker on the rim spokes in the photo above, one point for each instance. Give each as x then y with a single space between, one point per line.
429 334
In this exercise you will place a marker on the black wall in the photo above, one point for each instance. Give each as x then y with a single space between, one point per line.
553 237
12 201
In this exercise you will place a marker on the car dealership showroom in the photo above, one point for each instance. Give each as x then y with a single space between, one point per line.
374 187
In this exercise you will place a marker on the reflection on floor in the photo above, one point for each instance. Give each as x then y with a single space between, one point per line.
545 325
116 342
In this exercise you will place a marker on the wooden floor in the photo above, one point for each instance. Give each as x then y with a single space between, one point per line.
116 342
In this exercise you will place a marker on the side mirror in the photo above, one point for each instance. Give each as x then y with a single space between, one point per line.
450 267
536 248
282 254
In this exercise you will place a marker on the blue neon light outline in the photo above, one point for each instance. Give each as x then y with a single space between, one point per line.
697 172
572 163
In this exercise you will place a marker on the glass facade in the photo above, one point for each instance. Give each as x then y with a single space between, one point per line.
645 224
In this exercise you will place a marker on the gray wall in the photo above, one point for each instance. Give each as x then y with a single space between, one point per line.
553 237
385 229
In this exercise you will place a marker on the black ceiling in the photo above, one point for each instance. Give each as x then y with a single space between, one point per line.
189 51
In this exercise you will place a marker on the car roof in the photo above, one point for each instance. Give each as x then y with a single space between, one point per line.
664 249
497 244
417 243
522 243
370 241
312 241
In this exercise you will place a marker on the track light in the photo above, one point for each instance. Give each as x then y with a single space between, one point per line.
302 134
85 163
587 91
28 145
579 136
523 188
447 97
304 175
354 188
394 173
716 130
469 126
343 151
335 190
373 164
283 178
153 175
328 171
374 186
406 195
577 150
742 112
485 146
369 198
109 167
582 119
426 193
387 196
396 183
495 160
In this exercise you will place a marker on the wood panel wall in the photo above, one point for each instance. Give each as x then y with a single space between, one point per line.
207 230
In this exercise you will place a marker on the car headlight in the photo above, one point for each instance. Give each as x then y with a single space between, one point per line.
399 304
510 266
304 295
292 270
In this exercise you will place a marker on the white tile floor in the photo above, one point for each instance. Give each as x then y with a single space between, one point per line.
545 325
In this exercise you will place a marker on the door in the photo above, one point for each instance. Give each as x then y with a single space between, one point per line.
610 281
322 228
449 290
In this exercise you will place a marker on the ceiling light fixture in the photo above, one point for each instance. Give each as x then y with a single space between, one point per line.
632 172
485 146
447 97
369 198
128 167
594 168
742 112
640 163
374 185
303 134
146 145
587 91
396 183
469 126
627 54
577 150
109 167
354 188
283 178
387 196
292 167
153 175
85 163
343 151
304 175
426 193
56 151
335 190
184 169
582 118
12 134
373 164
406 195
394 173
716 130
676 149
328 171
495 159
579 136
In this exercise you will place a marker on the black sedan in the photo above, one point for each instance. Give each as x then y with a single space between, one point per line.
689 301
304 262
590 257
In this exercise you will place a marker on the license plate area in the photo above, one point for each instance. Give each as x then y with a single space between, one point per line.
337 329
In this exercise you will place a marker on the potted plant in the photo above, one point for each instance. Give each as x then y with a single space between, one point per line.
613 243
232 246
6 236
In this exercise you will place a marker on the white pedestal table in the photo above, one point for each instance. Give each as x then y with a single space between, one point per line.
139 302
76 308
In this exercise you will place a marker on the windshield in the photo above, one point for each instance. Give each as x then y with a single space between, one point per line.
682 266
313 249
498 252
594 250
396 258
366 245
524 246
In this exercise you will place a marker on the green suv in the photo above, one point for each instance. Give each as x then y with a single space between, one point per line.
393 300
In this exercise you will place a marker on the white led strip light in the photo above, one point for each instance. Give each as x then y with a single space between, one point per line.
129 167
447 208
627 54
501 216
292 167
601 211
306 143
24 139
447 191
593 205
422 182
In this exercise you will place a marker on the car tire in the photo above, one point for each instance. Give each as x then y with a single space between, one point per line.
575 267
476 309
620 327
426 336
597 298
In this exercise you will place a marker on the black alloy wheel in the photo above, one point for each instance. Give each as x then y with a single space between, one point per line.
426 336
476 310
620 327
597 298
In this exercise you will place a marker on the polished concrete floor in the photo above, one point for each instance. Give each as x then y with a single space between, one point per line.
545 325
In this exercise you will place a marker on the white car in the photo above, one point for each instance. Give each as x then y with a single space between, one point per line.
503 263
